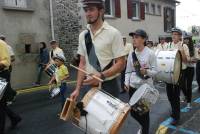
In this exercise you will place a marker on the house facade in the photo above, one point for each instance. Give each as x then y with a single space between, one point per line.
25 23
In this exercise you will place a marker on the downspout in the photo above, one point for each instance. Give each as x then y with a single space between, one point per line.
52 24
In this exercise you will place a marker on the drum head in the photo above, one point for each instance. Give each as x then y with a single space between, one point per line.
177 67
137 96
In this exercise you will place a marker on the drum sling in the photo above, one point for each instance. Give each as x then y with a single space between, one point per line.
137 66
92 57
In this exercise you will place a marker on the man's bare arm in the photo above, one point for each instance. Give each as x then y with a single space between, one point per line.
116 68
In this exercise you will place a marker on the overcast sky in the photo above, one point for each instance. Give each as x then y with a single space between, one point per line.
188 13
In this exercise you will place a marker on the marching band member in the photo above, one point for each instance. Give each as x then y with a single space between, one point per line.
101 51
190 69
197 55
55 51
60 77
163 44
141 67
173 91
5 73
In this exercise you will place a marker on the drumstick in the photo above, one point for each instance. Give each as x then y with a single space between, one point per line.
86 73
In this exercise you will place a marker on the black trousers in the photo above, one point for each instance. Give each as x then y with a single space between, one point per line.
173 94
189 78
4 109
198 73
183 82
112 87
144 119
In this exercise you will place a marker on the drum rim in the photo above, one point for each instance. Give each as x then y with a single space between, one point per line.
114 129
120 120
87 98
175 81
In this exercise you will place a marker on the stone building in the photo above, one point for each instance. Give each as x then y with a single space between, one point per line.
25 23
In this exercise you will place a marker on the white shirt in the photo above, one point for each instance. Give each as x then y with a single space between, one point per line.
147 59
179 46
197 55
128 48
108 45
10 50
162 47
56 51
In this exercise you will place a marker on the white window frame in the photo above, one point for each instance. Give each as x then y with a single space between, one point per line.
112 9
16 3
137 17
146 7
159 11
152 4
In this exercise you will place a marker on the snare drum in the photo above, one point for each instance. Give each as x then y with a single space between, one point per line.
50 69
143 99
168 66
106 114
54 90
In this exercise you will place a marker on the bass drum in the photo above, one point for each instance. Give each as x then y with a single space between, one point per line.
169 65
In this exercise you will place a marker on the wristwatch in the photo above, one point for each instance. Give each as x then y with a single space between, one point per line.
102 76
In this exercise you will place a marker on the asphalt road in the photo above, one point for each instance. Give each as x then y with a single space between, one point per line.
39 114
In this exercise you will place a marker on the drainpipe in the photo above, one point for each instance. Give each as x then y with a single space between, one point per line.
52 24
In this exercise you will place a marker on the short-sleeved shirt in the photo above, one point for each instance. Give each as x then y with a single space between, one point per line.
10 50
197 55
179 45
128 48
108 46
162 47
57 51
4 54
61 72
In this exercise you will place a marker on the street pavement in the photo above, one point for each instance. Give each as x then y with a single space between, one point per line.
39 114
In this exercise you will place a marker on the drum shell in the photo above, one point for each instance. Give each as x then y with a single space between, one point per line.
106 114
50 69
169 65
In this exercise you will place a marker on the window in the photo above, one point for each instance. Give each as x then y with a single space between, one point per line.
158 9
110 7
169 19
135 10
16 3
153 9
146 7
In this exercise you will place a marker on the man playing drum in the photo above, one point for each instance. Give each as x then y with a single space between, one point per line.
141 67
101 51
173 91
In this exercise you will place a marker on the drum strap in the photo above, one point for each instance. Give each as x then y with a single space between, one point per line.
137 66
92 57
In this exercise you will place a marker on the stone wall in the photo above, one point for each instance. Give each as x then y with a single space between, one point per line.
67 25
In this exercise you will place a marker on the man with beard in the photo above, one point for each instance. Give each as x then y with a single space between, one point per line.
101 51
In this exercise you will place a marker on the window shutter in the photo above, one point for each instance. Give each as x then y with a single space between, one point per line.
117 9
142 10
129 9
165 21
173 18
